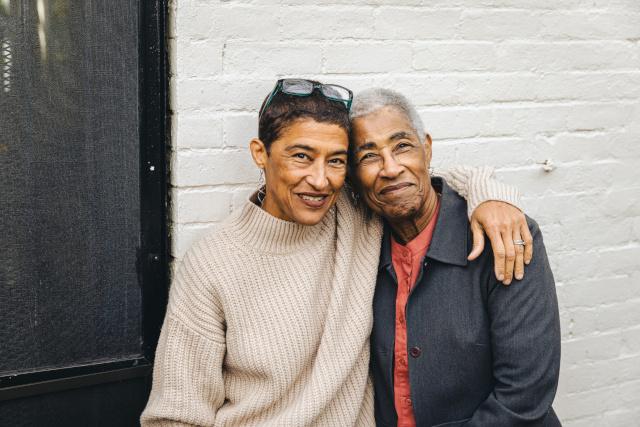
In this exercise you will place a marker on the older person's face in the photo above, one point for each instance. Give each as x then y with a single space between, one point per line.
304 170
390 164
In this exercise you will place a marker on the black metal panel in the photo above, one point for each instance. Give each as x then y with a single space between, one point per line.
43 382
69 185
151 256
117 404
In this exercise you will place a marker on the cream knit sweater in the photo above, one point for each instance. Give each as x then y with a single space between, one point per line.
268 321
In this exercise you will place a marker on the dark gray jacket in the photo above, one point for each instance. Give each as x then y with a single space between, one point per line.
480 353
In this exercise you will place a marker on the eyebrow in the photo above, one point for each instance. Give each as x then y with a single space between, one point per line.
366 146
313 150
400 135
300 147
396 136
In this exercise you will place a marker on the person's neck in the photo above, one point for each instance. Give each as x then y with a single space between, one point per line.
406 229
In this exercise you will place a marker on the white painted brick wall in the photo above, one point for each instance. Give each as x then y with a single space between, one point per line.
505 82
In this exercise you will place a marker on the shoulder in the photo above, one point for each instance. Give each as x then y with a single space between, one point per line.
218 241
211 244
208 259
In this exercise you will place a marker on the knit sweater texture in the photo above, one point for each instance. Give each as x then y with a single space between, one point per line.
268 321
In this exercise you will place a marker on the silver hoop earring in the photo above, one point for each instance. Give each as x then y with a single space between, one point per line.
354 195
262 188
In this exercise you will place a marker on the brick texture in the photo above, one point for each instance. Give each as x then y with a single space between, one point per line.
513 83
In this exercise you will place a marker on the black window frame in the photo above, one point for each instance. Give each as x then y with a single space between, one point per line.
153 255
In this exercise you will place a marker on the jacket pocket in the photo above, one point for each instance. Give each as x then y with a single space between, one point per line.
452 423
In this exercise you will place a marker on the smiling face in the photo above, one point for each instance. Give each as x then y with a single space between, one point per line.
304 170
390 164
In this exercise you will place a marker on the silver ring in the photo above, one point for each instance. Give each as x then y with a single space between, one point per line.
519 242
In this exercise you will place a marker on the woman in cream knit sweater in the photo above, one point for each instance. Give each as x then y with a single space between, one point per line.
269 316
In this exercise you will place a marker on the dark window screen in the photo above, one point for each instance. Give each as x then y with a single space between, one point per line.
69 183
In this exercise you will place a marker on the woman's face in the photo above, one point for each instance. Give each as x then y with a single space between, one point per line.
391 164
304 170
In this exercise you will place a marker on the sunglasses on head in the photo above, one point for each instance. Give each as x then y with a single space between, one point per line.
302 87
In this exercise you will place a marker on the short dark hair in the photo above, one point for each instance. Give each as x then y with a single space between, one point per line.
285 109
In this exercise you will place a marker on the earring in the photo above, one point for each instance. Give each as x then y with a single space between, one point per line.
262 188
355 196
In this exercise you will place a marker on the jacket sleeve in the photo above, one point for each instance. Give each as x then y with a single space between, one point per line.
188 386
525 340
477 185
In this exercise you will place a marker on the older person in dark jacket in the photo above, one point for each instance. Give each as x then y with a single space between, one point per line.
450 345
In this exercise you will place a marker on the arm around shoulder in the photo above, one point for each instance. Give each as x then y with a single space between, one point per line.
188 386
477 185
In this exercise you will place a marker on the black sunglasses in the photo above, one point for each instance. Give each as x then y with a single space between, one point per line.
302 87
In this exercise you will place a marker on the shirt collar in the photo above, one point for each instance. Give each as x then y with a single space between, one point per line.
450 241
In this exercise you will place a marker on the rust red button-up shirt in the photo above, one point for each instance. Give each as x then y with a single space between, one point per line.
406 263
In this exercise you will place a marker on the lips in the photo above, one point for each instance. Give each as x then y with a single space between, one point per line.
313 200
390 189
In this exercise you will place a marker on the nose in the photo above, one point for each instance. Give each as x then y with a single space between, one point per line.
390 167
318 177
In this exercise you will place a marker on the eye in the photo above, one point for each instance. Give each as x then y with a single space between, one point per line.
301 156
367 157
337 162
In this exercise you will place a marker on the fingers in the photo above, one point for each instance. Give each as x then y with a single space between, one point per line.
478 240
503 224
510 255
498 253
518 268
528 241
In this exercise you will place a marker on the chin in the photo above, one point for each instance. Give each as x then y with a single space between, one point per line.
400 211
310 218
306 216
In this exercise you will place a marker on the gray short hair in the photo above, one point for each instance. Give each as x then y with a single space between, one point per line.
371 100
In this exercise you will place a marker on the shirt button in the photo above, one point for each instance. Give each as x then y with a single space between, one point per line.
415 352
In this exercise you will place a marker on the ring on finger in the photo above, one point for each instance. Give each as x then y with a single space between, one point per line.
519 242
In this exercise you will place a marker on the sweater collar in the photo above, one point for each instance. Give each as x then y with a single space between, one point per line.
266 233
449 243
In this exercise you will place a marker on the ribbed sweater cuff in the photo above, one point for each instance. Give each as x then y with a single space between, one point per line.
482 188
477 185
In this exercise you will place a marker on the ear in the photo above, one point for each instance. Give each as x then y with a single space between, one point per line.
258 152
427 147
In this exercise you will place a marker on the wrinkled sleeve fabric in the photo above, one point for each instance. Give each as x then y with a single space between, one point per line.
477 185
525 339
188 385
